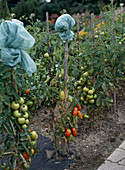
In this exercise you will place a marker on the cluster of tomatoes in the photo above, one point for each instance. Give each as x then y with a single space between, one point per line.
31 100
85 90
20 112
76 111
70 133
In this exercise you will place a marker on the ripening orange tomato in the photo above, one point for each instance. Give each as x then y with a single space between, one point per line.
80 114
79 107
87 99
74 132
27 91
32 151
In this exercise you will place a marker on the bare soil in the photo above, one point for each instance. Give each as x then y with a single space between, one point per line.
92 146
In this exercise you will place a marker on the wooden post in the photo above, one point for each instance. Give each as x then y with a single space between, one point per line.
14 85
101 19
78 28
48 42
66 75
93 40
114 70
66 91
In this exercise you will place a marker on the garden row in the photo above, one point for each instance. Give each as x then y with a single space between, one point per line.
95 67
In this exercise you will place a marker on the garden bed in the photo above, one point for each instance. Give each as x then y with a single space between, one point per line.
91 146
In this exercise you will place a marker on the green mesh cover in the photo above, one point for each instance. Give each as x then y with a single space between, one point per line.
63 25
14 39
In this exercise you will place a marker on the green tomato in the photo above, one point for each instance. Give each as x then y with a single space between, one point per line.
111 101
53 53
24 108
84 94
86 116
79 87
82 98
46 55
89 83
90 92
81 79
15 106
43 64
62 72
70 98
70 138
33 143
29 103
106 60
85 102
34 135
93 89
21 101
16 114
86 74
4 166
26 166
82 68
62 95
90 96
76 83
79 82
27 121
24 126
21 120
85 89
33 97
26 115
95 96
91 71
84 80
91 101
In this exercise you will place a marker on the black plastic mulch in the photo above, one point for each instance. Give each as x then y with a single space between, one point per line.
42 162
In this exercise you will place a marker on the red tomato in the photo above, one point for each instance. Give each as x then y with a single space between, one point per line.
68 133
75 108
79 107
26 156
74 132
27 91
74 112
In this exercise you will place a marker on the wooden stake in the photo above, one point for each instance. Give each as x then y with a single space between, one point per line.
14 85
93 40
78 28
66 75
48 42
114 70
